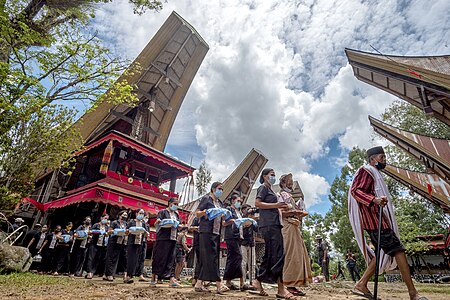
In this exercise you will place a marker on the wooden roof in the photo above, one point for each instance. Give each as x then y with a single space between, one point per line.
420 183
433 152
423 81
167 67
241 180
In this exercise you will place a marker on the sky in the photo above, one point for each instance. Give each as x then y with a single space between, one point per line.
276 78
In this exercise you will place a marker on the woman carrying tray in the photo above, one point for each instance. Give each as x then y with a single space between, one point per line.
116 249
163 264
137 230
97 250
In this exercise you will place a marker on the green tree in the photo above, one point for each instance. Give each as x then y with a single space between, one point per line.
47 57
203 178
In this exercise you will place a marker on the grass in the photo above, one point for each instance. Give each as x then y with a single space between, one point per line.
29 280
425 288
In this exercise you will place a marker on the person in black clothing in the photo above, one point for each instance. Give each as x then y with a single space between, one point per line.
164 251
30 235
351 265
195 247
80 244
143 252
97 250
324 258
271 268
233 237
248 247
47 251
62 252
340 272
181 250
36 236
134 247
209 240
116 248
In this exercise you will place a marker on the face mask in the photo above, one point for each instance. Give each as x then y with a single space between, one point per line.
173 207
87 222
237 205
104 221
272 179
286 189
218 193
380 166
140 217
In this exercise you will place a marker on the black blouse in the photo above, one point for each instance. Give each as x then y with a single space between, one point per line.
164 234
271 216
206 225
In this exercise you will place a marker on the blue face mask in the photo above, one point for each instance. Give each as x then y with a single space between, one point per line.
104 221
174 207
237 205
140 217
272 179
218 193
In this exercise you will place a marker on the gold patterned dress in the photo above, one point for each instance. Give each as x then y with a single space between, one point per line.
297 267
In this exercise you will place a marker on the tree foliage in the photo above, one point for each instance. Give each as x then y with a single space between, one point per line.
49 56
203 178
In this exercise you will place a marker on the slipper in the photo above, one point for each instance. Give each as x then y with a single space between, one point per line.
233 287
287 296
247 287
174 285
201 290
368 295
296 292
422 298
259 293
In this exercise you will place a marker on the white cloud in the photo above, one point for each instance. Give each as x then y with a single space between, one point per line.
276 77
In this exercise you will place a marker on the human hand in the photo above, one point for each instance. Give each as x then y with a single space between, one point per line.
382 201
281 205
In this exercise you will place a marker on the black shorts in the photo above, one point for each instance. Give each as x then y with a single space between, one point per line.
389 241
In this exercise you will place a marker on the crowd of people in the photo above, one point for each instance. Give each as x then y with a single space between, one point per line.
110 248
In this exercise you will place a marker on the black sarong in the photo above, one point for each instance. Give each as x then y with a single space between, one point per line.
209 244
233 267
197 261
163 264
95 255
114 253
141 260
271 268
133 254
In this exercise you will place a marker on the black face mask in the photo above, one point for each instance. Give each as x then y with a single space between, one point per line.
380 166
87 222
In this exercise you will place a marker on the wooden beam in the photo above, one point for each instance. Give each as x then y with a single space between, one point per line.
131 121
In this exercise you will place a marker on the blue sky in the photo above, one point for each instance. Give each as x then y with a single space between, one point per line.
276 78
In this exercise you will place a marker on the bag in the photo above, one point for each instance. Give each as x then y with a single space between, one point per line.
37 258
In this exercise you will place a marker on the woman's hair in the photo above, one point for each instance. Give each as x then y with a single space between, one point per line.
264 173
104 215
233 197
122 212
215 185
172 200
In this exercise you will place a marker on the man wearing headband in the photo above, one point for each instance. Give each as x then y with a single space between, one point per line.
367 193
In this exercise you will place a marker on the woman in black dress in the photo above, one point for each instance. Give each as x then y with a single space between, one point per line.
97 251
116 249
271 268
209 240
134 246
233 237
164 251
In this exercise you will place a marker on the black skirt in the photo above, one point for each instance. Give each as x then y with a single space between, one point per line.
233 268
209 257
271 268
163 264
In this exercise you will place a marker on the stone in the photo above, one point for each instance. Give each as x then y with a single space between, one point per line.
14 258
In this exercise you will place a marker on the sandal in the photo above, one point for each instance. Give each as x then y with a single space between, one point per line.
233 287
287 296
174 285
296 292
259 293
247 287
201 290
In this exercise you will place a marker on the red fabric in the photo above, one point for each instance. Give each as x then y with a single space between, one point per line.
363 190
430 189
38 205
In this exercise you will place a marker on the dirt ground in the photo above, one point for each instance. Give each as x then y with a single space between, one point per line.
61 288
